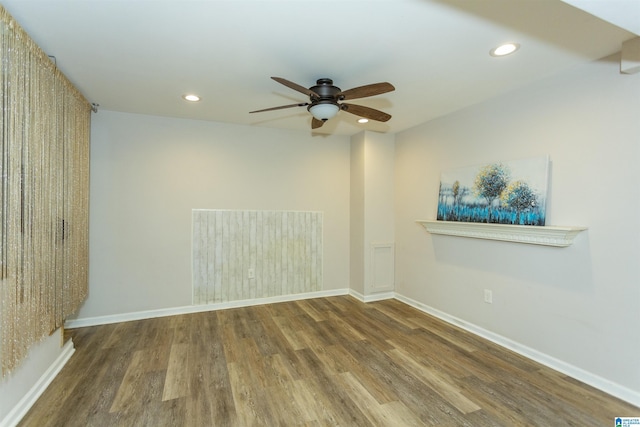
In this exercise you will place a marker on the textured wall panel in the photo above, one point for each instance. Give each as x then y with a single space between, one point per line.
239 255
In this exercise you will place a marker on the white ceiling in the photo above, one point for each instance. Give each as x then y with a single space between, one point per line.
140 56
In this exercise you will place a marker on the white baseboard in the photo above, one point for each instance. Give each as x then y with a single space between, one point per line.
579 374
379 297
28 400
371 298
357 295
173 311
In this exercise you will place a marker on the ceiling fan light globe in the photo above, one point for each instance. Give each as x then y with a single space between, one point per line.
324 111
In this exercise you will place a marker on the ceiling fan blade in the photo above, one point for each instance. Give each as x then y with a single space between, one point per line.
296 86
367 90
301 104
315 123
366 112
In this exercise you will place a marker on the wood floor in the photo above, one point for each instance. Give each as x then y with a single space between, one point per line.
319 362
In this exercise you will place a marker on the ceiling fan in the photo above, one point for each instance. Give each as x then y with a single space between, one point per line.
324 96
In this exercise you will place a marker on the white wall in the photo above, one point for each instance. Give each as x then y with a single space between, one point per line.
378 207
580 305
357 213
372 179
147 173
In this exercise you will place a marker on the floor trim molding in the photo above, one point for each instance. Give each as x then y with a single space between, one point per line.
28 400
173 311
371 297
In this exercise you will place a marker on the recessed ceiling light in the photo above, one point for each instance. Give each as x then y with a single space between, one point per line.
505 49
191 97
363 120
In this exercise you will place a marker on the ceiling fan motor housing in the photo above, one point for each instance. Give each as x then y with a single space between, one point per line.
325 90
325 105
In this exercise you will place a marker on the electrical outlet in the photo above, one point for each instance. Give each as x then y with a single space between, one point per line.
251 273
488 296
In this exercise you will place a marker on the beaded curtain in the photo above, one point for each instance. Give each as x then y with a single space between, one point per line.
44 195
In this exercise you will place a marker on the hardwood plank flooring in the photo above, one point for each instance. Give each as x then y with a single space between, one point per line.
321 362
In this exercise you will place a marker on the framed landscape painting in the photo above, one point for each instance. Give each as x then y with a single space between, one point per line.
511 192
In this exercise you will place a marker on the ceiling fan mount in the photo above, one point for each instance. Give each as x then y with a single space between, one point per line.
324 100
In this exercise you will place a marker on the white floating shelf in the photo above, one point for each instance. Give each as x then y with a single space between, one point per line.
536 235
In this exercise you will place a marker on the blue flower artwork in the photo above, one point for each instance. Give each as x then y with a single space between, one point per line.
513 192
